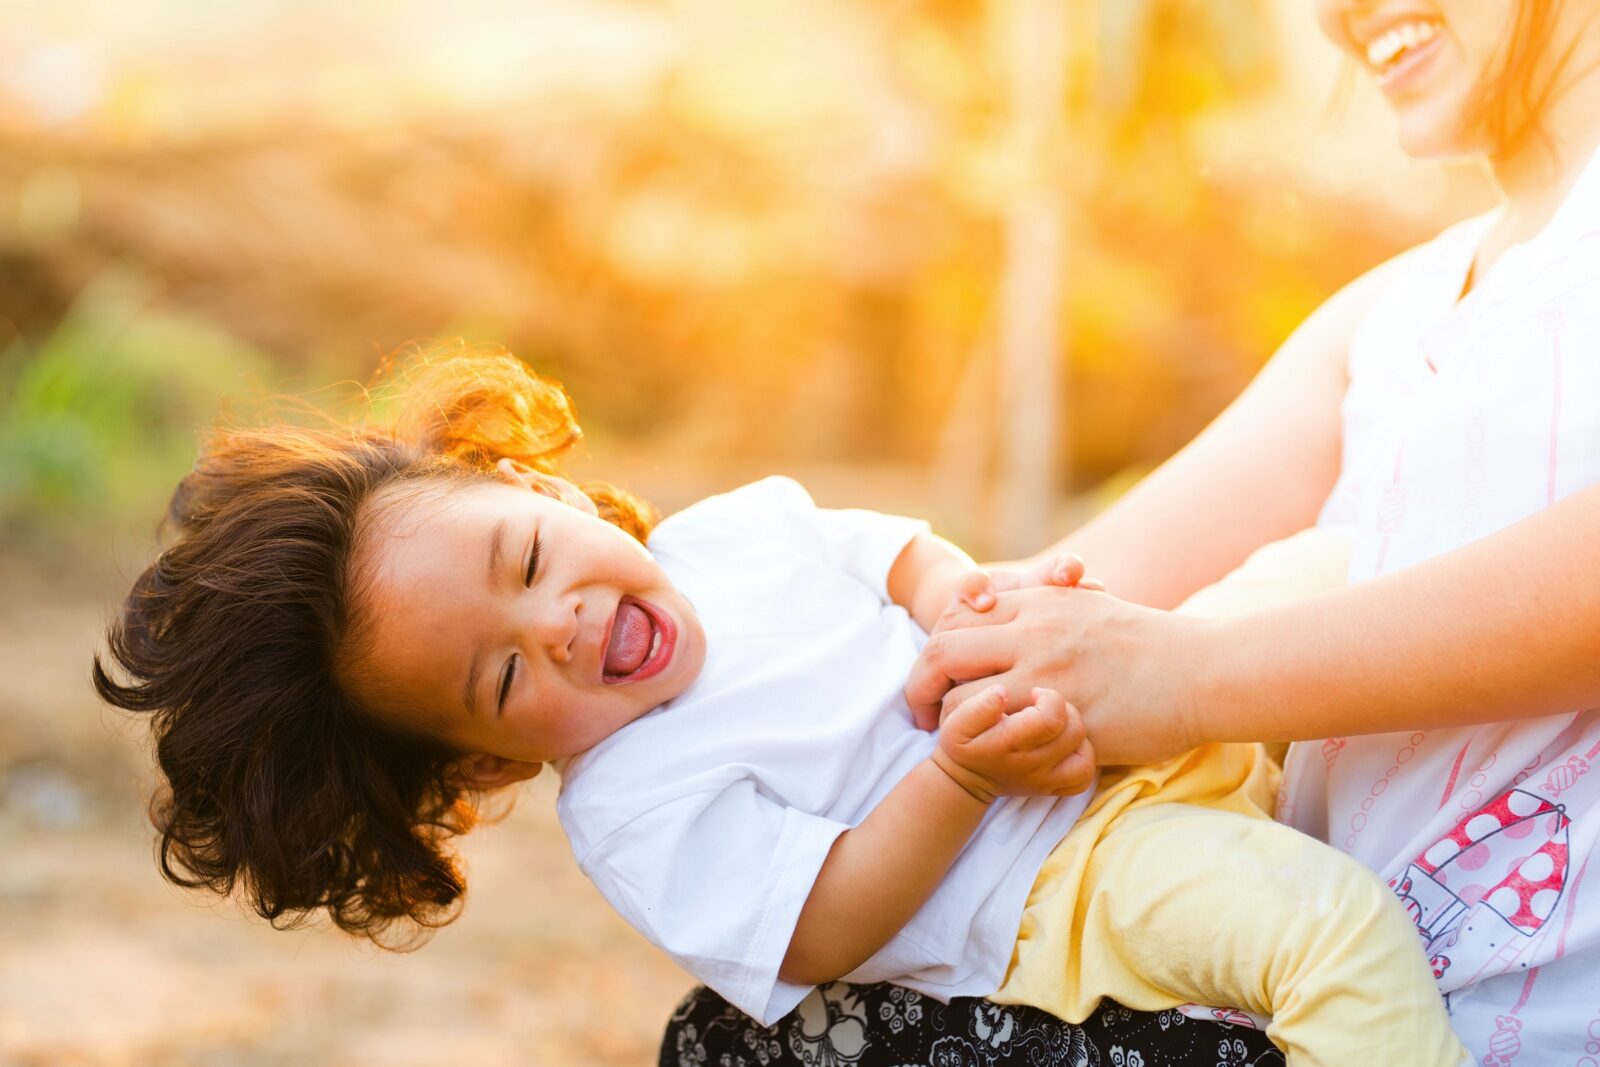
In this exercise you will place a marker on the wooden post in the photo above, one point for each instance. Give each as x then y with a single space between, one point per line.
1030 423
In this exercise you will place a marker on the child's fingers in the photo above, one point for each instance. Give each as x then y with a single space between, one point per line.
1092 583
1049 700
1069 732
1069 571
1075 772
976 590
1041 734
1064 569
975 715
1032 727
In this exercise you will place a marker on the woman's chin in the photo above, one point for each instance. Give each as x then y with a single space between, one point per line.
1435 133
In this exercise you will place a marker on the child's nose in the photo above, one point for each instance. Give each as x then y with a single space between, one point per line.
556 628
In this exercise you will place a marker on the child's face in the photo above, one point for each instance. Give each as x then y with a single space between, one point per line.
497 664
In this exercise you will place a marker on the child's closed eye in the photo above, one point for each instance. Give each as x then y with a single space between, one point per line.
533 561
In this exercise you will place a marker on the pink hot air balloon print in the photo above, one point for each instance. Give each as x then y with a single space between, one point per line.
1520 837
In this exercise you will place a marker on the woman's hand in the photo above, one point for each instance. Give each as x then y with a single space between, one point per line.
1135 674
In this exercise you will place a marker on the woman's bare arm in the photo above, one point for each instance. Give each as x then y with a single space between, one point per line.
1258 473
1504 628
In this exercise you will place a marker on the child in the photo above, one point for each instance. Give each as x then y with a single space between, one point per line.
355 631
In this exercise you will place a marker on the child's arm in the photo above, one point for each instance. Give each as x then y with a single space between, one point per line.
925 577
879 873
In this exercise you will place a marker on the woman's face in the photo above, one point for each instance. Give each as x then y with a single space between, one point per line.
1428 57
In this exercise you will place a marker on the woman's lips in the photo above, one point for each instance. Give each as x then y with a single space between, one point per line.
664 640
1410 66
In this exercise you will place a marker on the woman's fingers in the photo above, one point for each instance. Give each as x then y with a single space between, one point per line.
960 617
926 717
1125 667
952 655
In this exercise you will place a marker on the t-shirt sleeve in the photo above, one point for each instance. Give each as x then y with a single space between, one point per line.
717 880
862 543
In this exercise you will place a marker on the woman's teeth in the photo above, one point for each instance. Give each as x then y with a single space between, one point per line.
1386 50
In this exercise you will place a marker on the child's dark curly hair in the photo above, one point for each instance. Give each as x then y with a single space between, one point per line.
278 783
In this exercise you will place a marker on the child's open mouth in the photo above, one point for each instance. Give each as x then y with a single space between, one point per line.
639 642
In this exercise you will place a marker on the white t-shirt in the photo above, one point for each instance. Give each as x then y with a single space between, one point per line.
1461 419
705 822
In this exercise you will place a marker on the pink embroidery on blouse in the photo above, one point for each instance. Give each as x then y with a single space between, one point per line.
1455 771
1391 511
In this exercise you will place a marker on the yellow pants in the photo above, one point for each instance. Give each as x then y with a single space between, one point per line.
1176 886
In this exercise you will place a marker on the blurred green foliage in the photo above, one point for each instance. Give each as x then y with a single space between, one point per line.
97 419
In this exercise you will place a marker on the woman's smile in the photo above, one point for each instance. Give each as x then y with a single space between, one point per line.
1429 60
1396 56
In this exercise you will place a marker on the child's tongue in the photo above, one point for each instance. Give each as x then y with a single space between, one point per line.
630 640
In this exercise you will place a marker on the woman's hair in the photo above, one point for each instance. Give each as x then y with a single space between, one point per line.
1512 96
277 781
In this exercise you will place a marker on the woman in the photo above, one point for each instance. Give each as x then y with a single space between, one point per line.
1445 410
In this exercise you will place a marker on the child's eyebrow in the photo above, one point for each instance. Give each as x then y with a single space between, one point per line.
497 549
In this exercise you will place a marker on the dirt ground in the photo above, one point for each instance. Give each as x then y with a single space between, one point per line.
104 964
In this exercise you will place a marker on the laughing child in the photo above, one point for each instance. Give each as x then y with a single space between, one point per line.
353 633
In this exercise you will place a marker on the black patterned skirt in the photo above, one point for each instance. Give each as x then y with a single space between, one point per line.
885 1025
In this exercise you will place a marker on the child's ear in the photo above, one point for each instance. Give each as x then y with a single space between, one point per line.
547 484
484 772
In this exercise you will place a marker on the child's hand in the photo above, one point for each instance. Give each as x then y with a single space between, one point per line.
977 589
1037 750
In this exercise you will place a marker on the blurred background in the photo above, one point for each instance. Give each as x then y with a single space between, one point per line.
982 262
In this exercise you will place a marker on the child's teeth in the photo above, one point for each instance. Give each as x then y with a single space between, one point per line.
655 645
